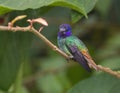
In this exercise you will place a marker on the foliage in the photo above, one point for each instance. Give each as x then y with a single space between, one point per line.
95 84
49 72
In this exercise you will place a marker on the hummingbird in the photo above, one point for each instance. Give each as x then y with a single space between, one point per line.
74 47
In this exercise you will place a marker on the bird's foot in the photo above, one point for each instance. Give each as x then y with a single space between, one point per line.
69 58
94 66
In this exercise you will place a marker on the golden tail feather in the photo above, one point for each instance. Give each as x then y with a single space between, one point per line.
91 63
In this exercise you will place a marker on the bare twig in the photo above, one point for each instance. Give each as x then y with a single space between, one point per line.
30 28
10 24
55 48
108 70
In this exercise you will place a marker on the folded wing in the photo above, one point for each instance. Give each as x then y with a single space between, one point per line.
78 56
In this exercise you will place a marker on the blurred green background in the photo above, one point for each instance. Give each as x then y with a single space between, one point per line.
45 71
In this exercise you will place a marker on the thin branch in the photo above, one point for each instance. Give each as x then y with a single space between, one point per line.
108 70
14 29
33 30
30 28
51 45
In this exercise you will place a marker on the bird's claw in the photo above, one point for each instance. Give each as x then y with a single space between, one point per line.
69 58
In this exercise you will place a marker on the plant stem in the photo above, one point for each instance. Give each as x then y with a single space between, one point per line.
30 28
17 87
50 44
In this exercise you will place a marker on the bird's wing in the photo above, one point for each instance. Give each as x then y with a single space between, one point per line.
77 55
86 54
84 51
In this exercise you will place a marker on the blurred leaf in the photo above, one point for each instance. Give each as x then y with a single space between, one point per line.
77 73
82 6
55 81
50 84
88 6
24 90
9 59
2 91
101 83
75 16
53 62
4 10
109 54
112 62
114 14
115 88
111 47
105 6
14 51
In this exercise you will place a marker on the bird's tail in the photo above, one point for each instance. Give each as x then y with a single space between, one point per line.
81 60
92 63
78 57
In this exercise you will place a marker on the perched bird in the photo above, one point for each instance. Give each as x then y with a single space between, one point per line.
74 47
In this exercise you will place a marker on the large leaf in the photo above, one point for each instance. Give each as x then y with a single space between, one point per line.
9 60
102 83
110 57
105 6
14 49
82 6
115 88
53 82
88 6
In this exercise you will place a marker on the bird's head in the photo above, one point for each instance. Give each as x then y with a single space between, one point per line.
64 31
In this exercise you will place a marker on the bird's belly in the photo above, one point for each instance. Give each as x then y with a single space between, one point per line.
63 47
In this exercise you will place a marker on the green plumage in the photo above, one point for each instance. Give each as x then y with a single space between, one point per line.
71 41
73 46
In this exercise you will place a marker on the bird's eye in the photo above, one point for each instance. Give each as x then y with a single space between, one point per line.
65 28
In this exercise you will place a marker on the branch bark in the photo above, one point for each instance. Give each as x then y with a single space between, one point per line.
30 28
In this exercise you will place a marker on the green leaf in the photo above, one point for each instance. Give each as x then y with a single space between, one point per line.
14 49
53 82
115 88
102 83
82 6
50 84
9 59
24 90
76 73
113 63
105 6
110 57
88 5
75 16
4 10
